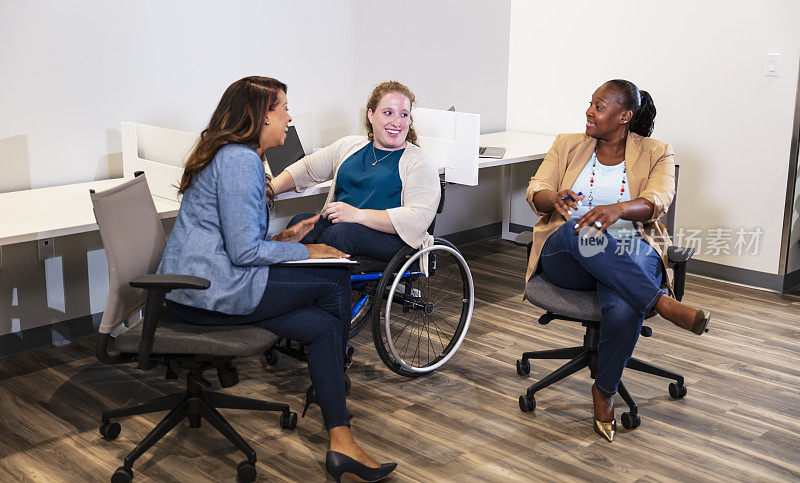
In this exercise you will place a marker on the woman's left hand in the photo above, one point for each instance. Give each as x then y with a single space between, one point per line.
338 212
298 231
600 218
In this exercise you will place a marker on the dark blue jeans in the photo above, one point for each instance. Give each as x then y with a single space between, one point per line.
352 238
627 277
311 306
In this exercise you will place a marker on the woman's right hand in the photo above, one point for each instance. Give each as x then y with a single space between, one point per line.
565 207
320 250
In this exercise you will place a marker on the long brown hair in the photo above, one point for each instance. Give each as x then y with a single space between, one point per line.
377 94
238 119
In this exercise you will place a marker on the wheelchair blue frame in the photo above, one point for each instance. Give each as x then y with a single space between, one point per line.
359 280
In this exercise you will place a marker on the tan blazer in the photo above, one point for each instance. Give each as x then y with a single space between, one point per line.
651 175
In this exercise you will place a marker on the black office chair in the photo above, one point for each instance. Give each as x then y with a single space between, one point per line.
584 307
134 241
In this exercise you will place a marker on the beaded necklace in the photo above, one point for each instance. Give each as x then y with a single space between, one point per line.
591 178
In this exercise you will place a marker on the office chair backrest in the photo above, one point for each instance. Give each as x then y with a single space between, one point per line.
669 216
134 241
440 208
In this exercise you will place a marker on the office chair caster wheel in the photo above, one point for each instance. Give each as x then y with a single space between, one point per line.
110 430
246 472
646 331
523 367
527 403
228 377
676 391
122 475
631 420
271 357
289 420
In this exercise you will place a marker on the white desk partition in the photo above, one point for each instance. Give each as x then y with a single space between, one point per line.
452 139
159 152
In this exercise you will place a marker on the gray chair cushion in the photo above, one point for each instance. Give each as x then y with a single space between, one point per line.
571 303
173 337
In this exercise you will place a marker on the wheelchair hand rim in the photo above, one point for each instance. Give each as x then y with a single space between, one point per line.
389 300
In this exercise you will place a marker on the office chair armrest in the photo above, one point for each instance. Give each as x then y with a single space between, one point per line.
170 282
678 256
158 286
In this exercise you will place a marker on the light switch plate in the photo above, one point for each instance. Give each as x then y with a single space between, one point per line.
772 65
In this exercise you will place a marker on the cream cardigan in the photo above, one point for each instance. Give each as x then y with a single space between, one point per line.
419 197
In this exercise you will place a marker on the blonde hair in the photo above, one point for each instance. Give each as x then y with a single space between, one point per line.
377 94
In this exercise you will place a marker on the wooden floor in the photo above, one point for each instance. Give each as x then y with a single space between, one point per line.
739 422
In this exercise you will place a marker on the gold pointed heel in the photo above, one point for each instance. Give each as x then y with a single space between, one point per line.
606 430
701 322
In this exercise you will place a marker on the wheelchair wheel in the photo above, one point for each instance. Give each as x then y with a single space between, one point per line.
362 316
423 320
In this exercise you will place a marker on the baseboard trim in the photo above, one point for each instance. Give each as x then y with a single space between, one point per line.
475 235
743 276
517 228
55 334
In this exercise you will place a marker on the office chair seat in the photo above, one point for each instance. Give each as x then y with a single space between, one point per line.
576 304
175 337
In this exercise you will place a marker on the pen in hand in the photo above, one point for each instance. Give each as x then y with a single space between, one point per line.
565 198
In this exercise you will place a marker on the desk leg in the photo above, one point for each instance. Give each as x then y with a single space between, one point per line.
506 233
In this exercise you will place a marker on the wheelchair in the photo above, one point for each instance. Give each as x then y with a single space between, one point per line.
418 322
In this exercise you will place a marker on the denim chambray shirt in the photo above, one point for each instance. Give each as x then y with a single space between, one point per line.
220 235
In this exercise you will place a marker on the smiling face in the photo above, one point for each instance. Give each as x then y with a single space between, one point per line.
390 121
605 116
274 133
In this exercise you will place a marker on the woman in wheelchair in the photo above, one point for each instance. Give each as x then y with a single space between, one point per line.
220 234
600 195
385 189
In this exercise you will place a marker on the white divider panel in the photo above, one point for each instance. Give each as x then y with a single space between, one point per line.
452 139
159 152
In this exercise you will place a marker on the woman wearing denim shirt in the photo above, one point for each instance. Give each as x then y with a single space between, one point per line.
221 234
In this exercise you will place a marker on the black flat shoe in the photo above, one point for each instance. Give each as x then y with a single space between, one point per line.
338 463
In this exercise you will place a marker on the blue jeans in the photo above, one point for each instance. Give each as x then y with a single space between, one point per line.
352 238
311 306
627 277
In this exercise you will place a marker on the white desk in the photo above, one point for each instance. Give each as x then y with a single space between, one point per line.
520 147
42 213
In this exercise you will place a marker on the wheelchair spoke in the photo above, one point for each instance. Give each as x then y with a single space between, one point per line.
438 332
441 287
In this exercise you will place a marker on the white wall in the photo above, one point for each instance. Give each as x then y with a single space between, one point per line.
703 64
450 53
72 71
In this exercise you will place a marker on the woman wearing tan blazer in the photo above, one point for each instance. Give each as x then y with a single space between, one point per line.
611 184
